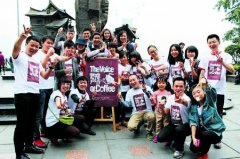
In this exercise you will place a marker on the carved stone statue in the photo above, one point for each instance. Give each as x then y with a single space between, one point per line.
91 11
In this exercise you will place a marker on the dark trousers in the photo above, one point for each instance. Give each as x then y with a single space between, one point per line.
176 133
89 113
220 103
61 131
41 112
25 105
206 139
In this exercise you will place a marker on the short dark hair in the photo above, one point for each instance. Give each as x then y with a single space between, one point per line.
44 38
179 79
86 29
68 43
191 49
34 38
81 78
181 43
62 80
122 54
213 36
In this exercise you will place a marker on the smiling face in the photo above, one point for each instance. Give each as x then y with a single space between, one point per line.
161 85
213 44
198 93
153 52
32 47
134 82
48 43
64 87
82 85
174 52
178 87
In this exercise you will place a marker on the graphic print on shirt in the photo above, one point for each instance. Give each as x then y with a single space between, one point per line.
125 76
52 74
214 70
175 115
176 71
69 75
139 102
33 72
80 105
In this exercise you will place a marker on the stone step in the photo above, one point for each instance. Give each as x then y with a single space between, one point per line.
7 109
6 100
8 119
8 77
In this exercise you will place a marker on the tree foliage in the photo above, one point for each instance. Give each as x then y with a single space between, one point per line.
232 9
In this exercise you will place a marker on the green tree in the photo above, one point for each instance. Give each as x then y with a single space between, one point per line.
232 9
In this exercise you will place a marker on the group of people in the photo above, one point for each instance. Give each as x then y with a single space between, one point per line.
177 96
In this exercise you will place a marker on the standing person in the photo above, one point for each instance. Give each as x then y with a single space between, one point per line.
45 55
86 35
191 68
68 69
81 54
140 68
159 65
182 45
178 129
138 97
123 75
123 43
159 100
2 63
27 70
206 124
176 63
60 44
214 68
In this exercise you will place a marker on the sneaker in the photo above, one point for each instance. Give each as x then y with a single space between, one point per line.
178 154
218 145
155 140
33 149
22 156
150 136
118 127
205 156
39 143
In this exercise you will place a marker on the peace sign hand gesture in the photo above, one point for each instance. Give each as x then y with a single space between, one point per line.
27 31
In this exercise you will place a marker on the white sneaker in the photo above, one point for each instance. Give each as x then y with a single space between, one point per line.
178 154
218 145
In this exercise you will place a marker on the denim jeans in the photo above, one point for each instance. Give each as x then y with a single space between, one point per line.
26 105
41 112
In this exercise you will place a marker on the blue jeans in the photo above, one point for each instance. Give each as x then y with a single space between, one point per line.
41 112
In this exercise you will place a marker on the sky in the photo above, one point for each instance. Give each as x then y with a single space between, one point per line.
158 22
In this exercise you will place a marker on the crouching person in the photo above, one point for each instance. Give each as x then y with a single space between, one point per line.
81 104
138 97
57 106
178 106
206 124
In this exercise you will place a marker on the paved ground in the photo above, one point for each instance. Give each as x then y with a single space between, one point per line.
124 144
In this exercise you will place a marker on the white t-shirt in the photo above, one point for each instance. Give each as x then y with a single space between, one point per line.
139 100
133 70
72 104
215 72
156 64
46 83
174 72
124 71
178 111
26 71
50 118
69 76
